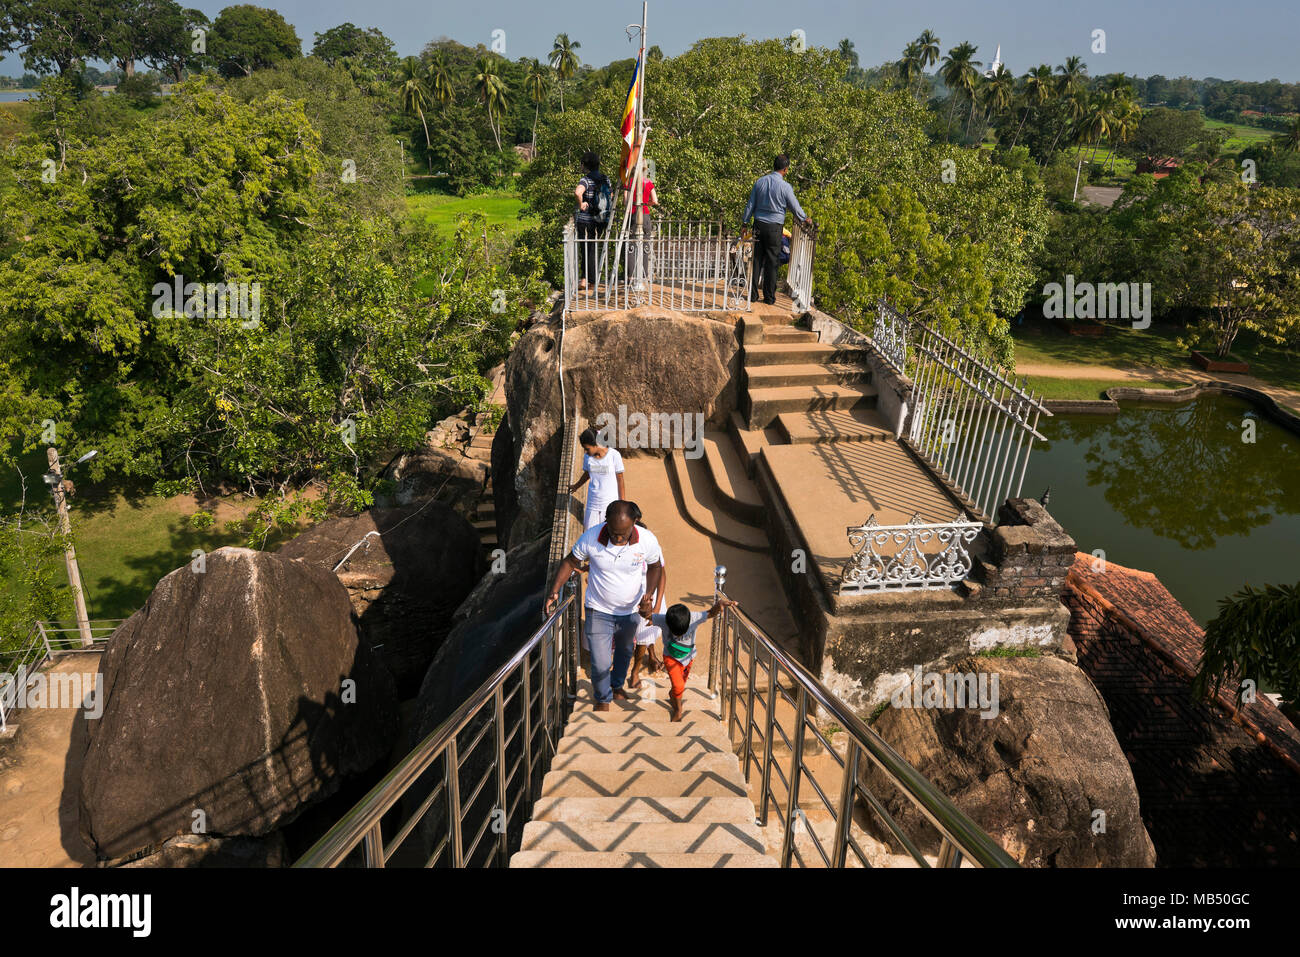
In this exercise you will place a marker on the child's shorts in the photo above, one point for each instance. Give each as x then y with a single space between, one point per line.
677 674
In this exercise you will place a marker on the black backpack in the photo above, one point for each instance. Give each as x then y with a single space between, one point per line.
599 196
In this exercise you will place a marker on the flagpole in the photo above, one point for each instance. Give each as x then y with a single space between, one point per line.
639 145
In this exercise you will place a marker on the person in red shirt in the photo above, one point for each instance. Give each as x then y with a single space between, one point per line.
638 257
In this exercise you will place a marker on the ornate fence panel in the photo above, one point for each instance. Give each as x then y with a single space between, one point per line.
905 556
890 336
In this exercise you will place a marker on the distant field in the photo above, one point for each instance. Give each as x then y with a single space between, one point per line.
502 210
1239 136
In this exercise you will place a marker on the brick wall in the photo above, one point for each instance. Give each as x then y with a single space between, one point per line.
1031 554
1214 790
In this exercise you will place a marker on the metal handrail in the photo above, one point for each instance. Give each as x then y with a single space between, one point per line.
363 823
961 837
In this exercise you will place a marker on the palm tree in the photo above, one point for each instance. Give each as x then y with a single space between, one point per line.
1039 90
999 91
1127 116
491 92
413 93
848 54
1291 138
910 65
1070 83
440 77
929 48
564 61
535 84
960 75
1092 124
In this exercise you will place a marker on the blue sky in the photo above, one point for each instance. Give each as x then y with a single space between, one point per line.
1254 40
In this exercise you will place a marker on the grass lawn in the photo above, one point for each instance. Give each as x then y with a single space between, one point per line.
126 539
1239 136
1051 388
1042 344
440 209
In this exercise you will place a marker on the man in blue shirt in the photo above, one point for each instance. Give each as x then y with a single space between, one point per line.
768 201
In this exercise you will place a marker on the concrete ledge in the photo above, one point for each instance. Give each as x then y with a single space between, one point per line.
1276 413
1082 406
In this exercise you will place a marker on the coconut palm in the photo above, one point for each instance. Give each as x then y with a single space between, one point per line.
564 61
440 81
929 48
1039 90
1092 124
960 75
1291 138
1072 86
1124 126
536 86
910 65
999 91
491 92
413 93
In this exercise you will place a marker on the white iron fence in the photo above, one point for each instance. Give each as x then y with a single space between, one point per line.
678 265
25 656
803 243
915 555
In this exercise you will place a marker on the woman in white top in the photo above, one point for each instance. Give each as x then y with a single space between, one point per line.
603 466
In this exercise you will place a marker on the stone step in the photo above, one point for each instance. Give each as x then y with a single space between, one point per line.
653 710
732 487
786 353
766 404
695 694
694 724
773 334
747 442
691 485
643 784
706 837
635 859
855 425
698 760
643 810
640 745
805 373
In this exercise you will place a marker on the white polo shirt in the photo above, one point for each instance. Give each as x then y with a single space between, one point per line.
617 575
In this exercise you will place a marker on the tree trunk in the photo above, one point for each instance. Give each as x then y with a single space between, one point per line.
952 105
1016 138
536 107
428 143
128 68
1077 171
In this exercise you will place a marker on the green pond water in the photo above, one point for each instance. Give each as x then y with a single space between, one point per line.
1174 490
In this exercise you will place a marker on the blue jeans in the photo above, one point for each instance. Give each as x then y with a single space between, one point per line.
610 641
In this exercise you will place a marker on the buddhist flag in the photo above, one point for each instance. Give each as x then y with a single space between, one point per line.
628 128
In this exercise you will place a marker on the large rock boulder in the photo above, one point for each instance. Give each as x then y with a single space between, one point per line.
418 564
238 695
648 360
444 474
495 621
1033 775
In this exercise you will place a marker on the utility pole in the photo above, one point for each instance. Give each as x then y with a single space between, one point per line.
69 552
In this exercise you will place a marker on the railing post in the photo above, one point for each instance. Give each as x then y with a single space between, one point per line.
499 719
452 759
572 640
749 705
796 767
372 847
844 814
949 856
49 652
719 579
528 729
770 719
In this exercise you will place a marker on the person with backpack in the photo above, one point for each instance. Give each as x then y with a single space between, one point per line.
595 201
768 201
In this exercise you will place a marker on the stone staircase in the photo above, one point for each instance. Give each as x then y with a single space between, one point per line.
630 788
484 519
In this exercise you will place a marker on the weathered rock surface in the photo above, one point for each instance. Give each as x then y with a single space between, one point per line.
496 619
1032 777
649 360
225 695
404 583
445 474
200 850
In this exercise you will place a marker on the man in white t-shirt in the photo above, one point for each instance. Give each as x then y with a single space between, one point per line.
625 564
603 466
